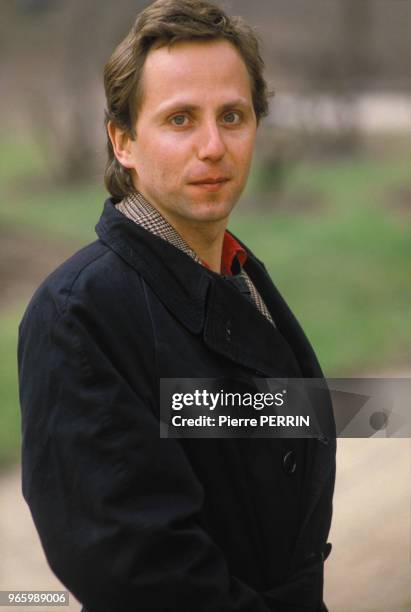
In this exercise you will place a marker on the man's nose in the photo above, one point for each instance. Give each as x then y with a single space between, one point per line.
210 144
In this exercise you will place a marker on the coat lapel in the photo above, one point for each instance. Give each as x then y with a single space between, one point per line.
236 329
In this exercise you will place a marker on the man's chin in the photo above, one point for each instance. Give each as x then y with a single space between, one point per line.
210 211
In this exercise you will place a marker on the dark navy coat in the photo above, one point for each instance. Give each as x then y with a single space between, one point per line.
132 521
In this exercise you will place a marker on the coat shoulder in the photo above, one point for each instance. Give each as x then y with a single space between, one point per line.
93 275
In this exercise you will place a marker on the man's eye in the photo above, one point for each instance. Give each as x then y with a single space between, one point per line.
233 117
178 119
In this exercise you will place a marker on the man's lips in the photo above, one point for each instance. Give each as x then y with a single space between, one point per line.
209 184
210 181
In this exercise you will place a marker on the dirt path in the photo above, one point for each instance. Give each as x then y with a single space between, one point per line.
23 565
369 569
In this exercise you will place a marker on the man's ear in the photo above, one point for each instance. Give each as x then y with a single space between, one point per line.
121 143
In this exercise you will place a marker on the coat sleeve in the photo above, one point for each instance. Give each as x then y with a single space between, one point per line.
115 505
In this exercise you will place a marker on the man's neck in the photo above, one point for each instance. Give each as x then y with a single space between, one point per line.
206 239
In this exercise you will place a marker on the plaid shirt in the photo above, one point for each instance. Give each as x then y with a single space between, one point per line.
139 210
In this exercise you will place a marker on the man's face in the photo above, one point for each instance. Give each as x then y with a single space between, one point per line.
196 123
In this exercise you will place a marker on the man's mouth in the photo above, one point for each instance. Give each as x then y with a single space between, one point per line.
210 183
210 180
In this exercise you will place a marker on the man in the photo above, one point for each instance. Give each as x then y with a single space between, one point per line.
129 520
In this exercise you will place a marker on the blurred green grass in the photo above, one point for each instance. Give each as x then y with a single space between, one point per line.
343 267
9 413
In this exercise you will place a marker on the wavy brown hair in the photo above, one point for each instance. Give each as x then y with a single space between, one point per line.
162 23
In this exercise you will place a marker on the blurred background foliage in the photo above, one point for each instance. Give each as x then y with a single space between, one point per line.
328 204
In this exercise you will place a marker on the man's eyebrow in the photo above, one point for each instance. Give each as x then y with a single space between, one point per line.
184 105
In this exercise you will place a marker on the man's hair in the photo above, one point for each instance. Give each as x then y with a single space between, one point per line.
162 23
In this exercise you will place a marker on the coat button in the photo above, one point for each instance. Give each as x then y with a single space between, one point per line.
228 331
289 462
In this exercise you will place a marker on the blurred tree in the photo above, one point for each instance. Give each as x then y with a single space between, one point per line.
277 153
356 67
357 53
341 75
64 96
89 32
34 6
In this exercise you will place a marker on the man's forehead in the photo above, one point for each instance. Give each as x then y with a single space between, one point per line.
193 72
185 53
